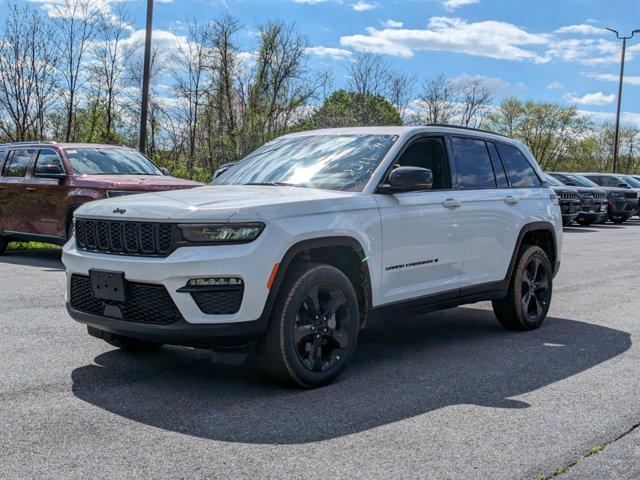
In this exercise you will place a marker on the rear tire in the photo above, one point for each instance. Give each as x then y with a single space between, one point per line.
527 303
313 330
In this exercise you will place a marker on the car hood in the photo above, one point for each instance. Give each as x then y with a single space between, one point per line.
134 182
219 203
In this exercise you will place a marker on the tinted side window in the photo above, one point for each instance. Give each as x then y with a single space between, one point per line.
18 163
595 179
4 156
519 170
428 153
473 163
47 158
563 179
498 168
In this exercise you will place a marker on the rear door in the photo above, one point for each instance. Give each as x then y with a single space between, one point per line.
44 197
14 189
489 210
422 234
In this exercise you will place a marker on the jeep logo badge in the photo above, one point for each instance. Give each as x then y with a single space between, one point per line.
121 211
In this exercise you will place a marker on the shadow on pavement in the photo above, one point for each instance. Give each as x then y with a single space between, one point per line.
47 258
457 357
578 230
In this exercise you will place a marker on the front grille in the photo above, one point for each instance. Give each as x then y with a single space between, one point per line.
146 303
599 196
125 238
569 196
219 302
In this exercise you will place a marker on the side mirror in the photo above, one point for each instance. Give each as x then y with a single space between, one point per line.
408 179
51 171
165 171
223 168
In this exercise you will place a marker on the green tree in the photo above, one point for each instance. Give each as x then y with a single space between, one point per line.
350 109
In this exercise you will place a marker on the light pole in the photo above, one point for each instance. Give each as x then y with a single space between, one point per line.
144 105
617 130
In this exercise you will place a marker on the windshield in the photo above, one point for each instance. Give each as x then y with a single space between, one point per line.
632 181
581 181
109 161
552 180
333 162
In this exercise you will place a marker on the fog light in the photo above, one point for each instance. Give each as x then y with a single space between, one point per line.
215 282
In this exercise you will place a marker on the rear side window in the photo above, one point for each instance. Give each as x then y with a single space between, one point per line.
473 163
18 163
498 168
520 172
47 158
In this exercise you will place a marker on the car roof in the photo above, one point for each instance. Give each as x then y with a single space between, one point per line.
60 145
406 131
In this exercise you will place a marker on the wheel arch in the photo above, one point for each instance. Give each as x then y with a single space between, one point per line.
541 234
343 252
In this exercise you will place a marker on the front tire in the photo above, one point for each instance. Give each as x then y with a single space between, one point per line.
313 330
3 245
585 223
529 298
618 219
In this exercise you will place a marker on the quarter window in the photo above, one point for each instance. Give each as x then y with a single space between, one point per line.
428 153
520 172
473 163
47 158
18 163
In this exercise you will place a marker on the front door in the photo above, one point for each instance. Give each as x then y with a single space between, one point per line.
14 190
422 233
44 197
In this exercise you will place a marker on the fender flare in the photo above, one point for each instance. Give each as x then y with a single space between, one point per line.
527 228
311 244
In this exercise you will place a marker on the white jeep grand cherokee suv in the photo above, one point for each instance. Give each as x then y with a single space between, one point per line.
290 250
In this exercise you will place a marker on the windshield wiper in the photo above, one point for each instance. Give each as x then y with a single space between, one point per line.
273 184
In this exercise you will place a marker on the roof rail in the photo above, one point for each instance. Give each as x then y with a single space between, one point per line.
34 142
465 128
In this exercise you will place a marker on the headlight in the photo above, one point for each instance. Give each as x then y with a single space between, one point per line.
222 233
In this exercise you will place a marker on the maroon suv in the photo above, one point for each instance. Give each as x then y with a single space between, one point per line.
42 183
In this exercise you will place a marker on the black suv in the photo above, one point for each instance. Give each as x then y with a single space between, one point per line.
623 203
593 199
569 200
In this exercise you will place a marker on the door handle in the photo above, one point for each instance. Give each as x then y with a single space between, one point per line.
511 200
451 203
31 189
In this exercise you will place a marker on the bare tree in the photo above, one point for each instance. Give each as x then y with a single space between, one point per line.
401 91
368 73
111 54
27 74
438 100
476 99
75 25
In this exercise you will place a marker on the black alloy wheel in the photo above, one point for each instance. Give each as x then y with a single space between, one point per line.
321 333
535 292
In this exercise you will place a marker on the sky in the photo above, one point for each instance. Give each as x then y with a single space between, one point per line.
550 50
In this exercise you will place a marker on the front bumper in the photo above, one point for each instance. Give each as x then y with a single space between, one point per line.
623 208
251 262
221 335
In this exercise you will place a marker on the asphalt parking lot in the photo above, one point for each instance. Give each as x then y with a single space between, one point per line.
447 395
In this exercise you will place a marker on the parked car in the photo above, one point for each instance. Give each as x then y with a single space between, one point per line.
43 183
635 184
294 247
569 200
593 199
624 202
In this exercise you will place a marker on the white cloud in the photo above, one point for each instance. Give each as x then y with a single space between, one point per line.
581 30
489 38
451 5
555 86
588 51
610 77
361 5
391 24
334 53
496 85
625 117
597 98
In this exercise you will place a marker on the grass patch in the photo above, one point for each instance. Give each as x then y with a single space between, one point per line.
594 450
30 246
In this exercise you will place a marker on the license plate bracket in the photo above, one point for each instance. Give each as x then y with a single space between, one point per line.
108 285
